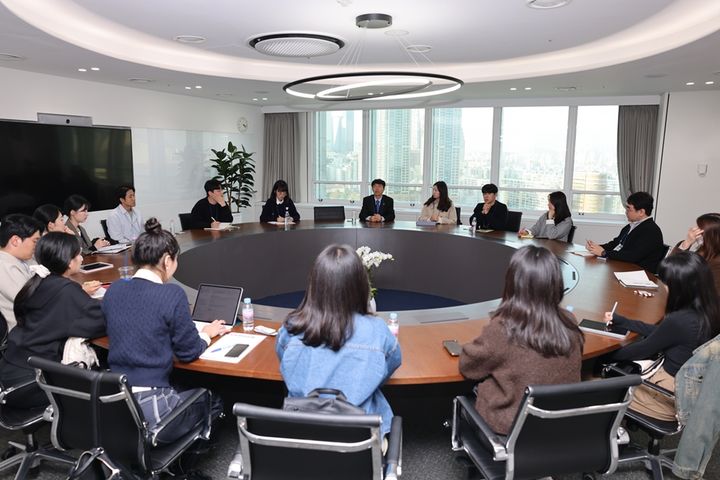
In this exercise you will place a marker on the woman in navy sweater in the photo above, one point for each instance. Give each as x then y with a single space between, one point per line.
149 323
279 204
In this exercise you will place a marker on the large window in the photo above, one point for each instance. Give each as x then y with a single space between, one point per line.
396 151
462 151
338 145
595 174
527 151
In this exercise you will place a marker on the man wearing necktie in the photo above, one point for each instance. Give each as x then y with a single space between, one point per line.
639 242
377 207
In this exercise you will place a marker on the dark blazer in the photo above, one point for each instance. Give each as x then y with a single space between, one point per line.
643 246
271 210
203 210
387 208
495 219
88 246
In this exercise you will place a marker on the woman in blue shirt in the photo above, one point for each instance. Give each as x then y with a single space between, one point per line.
331 341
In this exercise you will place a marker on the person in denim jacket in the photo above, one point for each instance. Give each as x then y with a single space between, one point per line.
331 341
697 390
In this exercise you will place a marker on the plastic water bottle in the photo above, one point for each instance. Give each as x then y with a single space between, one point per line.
248 315
394 324
287 216
172 227
473 224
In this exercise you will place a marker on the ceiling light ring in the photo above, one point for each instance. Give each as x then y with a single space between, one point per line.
326 94
455 84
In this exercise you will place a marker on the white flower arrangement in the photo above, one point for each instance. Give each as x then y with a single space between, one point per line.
372 260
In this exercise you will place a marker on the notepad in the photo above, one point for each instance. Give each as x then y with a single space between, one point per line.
582 253
222 350
635 279
223 226
281 223
120 247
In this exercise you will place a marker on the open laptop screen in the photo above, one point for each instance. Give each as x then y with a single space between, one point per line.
217 302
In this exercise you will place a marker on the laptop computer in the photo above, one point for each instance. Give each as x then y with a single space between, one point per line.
216 302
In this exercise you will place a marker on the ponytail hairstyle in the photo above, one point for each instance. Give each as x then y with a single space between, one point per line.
45 214
152 245
54 251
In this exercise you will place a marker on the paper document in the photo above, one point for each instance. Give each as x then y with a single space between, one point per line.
120 247
485 230
99 293
637 279
281 223
582 253
223 226
224 349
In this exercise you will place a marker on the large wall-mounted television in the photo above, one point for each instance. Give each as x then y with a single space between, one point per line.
41 163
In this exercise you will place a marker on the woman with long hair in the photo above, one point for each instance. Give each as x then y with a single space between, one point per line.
530 340
279 204
77 208
705 240
51 218
692 317
332 341
49 309
149 325
554 224
439 208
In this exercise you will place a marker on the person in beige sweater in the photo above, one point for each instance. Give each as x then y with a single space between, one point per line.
439 208
530 340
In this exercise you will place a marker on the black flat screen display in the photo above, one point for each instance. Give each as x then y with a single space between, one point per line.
42 163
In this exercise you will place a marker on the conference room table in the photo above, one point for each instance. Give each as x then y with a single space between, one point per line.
445 260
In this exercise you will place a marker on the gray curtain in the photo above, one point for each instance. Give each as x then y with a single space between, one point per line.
636 140
281 152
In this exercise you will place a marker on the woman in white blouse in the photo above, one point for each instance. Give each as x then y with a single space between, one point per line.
439 208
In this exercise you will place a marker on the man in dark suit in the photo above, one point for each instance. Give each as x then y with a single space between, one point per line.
377 207
639 242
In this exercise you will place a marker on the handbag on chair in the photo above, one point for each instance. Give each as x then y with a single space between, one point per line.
314 403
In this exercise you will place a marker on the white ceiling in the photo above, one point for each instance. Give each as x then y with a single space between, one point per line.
599 47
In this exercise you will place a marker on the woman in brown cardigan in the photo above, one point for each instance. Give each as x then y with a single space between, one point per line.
530 339
705 240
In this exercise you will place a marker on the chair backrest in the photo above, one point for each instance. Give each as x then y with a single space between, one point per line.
512 224
103 223
329 213
457 211
3 333
311 445
185 220
571 234
562 429
93 409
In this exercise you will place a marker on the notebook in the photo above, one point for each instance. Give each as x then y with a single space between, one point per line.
216 302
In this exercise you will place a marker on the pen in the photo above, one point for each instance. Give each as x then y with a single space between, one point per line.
215 350
213 219
612 312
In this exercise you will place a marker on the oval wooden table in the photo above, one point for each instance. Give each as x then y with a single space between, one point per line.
248 256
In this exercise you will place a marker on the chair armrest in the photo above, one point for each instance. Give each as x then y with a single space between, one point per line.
394 451
476 420
155 431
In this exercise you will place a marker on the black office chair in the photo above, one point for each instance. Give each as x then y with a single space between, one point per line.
97 409
457 211
559 429
512 224
185 221
571 234
654 457
29 420
328 214
3 334
277 444
103 223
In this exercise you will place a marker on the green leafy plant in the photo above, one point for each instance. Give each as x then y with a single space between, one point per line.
235 169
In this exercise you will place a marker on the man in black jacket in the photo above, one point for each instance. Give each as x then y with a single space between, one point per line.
208 212
377 207
639 242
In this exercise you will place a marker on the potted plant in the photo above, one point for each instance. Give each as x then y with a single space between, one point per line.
235 169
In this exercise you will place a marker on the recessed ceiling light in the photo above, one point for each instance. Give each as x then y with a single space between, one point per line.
95 69
198 86
82 69
188 88
565 89
140 80
190 39
547 4
528 88
255 99
418 48
513 89
396 33
264 98
690 84
296 44
10 57
710 83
